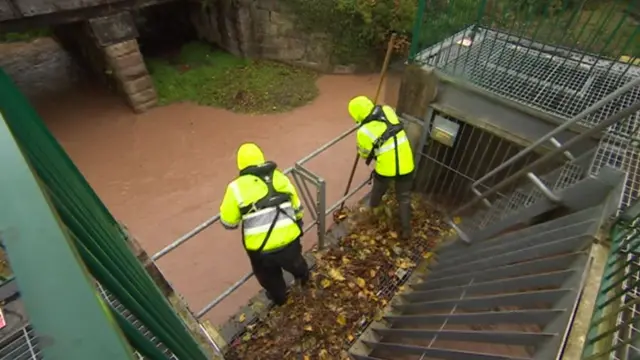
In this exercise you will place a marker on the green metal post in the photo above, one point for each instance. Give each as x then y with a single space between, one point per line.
417 26
67 314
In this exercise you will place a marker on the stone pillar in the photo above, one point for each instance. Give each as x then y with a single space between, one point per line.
108 47
115 36
128 69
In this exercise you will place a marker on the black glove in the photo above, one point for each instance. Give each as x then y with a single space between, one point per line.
300 224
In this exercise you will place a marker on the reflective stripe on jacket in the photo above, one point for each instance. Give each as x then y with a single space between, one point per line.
249 189
385 155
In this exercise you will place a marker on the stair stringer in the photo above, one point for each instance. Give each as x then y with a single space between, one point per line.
572 199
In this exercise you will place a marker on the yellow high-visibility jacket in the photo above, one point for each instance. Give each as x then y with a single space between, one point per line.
385 155
239 206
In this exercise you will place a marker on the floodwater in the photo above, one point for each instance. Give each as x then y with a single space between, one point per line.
164 172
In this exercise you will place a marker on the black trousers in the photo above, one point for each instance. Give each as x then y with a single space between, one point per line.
268 266
403 184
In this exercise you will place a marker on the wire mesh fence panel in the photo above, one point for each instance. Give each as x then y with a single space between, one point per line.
614 332
21 345
559 57
115 304
604 29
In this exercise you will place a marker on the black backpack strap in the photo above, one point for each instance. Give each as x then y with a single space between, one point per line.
392 130
273 198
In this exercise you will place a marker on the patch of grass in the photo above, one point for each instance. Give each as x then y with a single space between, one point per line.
208 77
24 36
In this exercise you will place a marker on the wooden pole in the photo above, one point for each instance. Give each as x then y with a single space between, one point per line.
385 66
383 73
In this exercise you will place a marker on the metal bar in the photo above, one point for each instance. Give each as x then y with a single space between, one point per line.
54 282
557 144
224 295
496 337
417 26
543 265
233 288
307 199
555 247
363 357
439 353
324 147
543 188
623 114
525 299
534 316
321 212
346 197
486 202
503 285
591 109
184 238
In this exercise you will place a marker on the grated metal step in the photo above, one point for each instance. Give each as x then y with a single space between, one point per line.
510 297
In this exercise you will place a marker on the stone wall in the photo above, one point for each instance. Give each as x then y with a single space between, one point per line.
112 55
262 29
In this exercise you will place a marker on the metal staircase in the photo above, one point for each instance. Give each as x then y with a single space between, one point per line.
509 297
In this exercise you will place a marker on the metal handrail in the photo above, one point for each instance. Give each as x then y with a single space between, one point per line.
551 135
620 115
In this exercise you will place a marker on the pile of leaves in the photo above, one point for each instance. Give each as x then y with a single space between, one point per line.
351 285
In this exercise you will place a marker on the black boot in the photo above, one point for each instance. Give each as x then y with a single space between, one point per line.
403 195
278 302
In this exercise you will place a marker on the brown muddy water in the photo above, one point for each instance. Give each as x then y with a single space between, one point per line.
164 172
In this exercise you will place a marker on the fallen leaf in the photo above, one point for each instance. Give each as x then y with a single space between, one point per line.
393 234
242 317
324 354
336 274
457 220
375 265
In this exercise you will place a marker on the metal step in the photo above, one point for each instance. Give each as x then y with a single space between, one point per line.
577 217
511 297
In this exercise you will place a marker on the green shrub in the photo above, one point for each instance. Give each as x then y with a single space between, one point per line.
359 28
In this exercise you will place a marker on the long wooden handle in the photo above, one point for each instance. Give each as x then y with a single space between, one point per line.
385 66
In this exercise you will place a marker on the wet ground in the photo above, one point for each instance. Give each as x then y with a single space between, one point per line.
164 172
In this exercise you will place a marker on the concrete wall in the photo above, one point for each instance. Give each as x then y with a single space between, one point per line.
263 29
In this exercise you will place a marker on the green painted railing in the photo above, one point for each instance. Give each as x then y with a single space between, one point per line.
614 331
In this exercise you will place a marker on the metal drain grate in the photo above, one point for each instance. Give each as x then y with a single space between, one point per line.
21 345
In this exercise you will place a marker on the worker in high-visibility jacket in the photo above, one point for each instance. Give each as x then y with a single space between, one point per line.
381 137
267 205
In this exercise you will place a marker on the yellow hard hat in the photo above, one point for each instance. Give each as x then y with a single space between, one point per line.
360 107
249 154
